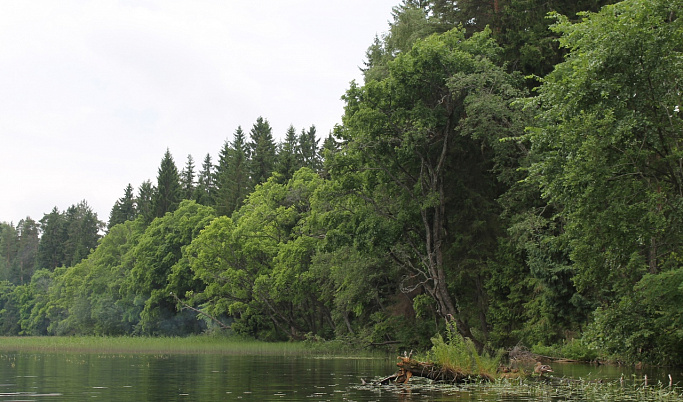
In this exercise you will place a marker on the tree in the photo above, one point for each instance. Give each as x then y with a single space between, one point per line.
287 161
206 183
256 266
52 240
159 269
309 149
187 183
606 149
168 191
143 201
82 232
27 250
123 209
423 147
261 151
9 243
239 185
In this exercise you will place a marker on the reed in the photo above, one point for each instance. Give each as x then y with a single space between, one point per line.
169 345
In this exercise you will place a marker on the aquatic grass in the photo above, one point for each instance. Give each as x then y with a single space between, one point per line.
171 345
459 354
520 389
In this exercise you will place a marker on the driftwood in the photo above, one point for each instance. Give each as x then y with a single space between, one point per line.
408 367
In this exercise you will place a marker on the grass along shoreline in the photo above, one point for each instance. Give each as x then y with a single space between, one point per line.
173 345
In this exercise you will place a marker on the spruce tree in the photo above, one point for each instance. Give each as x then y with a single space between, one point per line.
262 149
27 252
123 209
205 193
288 160
143 202
168 194
52 240
231 175
308 149
82 230
9 243
187 180
239 185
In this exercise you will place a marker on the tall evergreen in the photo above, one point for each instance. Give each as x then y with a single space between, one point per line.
262 149
206 183
238 183
309 149
53 238
187 180
287 160
231 174
9 243
143 201
27 251
222 174
82 229
168 194
123 209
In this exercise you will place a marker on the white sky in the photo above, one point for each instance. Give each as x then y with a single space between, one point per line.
93 92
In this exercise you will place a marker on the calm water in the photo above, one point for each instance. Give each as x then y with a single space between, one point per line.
122 377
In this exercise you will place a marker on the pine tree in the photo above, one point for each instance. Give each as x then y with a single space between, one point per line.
187 180
262 150
168 194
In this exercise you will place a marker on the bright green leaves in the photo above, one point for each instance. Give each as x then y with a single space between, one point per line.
159 267
608 148
256 266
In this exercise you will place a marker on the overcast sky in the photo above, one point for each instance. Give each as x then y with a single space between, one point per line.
93 92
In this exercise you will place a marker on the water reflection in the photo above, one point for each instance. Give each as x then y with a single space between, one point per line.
122 377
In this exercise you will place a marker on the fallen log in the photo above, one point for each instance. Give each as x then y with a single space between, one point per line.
409 367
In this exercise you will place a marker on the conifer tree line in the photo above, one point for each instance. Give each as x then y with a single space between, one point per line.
509 166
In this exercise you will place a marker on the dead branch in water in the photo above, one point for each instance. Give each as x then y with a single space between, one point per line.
409 367
214 319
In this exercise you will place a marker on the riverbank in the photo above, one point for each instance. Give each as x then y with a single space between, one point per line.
199 344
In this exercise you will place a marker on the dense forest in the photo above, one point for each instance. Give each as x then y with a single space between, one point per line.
513 166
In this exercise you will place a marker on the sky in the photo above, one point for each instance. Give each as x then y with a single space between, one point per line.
92 93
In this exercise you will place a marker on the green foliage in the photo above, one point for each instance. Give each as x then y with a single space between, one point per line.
256 266
9 309
423 153
461 355
644 325
159 268
608 130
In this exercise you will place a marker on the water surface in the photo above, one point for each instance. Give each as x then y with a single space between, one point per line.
204 377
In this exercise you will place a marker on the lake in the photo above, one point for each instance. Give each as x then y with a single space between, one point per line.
40 376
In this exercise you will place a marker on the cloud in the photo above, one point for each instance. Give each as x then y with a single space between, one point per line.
93 92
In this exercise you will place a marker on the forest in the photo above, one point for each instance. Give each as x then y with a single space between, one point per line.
512 166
